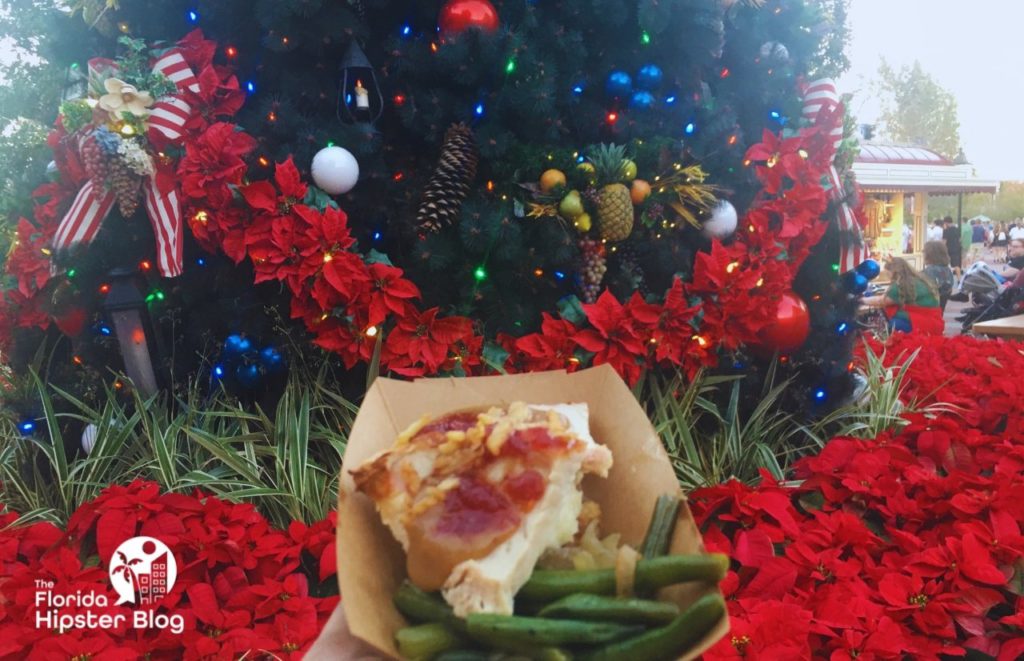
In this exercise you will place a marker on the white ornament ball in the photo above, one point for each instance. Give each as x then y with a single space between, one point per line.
775 50
89 438
723 221
335 170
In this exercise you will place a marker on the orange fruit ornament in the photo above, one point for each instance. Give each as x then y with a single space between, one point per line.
551 179
640 191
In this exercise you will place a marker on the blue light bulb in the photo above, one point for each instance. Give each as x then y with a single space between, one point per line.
479 110
376 236
820 394
27 427
670 99
559 275
218 371
406 30
690 128
250 86
577 90
193 15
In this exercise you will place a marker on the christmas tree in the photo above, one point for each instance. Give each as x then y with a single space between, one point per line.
429 188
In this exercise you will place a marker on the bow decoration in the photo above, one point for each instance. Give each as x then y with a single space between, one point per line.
164 120
823 109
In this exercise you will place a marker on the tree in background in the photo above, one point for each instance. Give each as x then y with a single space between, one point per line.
534 191
917 110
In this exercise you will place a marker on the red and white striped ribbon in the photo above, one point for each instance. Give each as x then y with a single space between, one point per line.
820 97
83 219
166 122
169 114
164 212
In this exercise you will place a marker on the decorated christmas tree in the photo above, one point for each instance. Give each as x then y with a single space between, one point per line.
431 188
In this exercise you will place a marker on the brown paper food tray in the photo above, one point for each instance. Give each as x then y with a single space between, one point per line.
371 564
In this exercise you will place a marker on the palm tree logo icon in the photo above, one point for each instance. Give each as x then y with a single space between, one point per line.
142 571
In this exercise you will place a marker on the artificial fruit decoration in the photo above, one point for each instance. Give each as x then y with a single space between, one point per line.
628 170
551 179
614 204
571 206
639 191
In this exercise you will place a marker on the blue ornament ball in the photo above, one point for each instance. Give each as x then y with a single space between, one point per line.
869 268
236 346
272 360
619 84
249 375
649 77
900 324
642 100
855 282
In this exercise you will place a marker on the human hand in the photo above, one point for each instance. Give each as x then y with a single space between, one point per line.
336 642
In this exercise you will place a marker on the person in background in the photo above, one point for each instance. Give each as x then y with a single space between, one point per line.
911 303
1014 259
1000 240
936 269
935 230
977 241
951 235
908 238
966 238
1017 230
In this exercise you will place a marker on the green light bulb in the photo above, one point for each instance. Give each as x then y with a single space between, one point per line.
645 38
510 66
480 274
72 273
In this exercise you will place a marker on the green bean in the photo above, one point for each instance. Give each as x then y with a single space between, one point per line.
610 609
425 641
504 630
548 585
663 522
421 606
464 655
671 640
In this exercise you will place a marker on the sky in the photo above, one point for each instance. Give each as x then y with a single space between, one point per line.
973 49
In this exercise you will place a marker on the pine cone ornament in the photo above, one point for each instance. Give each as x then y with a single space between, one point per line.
450 184
95 161
592 269
126 186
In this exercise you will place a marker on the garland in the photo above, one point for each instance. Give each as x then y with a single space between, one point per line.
352 303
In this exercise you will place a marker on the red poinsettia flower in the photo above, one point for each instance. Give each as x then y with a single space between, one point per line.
27 261
551 349
420 342
390 293
779 160
613 339
213 161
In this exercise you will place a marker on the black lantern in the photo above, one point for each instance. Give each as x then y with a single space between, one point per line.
359 96
127 307
76 84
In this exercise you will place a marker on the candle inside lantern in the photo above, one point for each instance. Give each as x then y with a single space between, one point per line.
362 96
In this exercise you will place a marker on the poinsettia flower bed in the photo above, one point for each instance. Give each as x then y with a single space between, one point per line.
907 546
242 586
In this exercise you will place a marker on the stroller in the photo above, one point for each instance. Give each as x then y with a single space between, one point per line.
980 285
1006 304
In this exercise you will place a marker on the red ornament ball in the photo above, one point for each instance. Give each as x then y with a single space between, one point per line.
457 16
789 330
71 322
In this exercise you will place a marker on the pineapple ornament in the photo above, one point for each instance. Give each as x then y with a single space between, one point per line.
592 269
448 188
614 203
